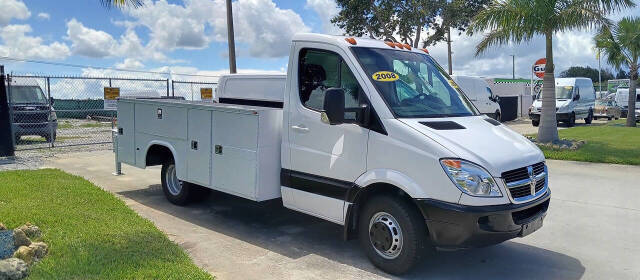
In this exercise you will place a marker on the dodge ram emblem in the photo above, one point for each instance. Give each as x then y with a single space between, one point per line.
532 179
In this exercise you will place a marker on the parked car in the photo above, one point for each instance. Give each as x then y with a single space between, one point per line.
622 98
370 135
606 109
480 95
33 112
575 99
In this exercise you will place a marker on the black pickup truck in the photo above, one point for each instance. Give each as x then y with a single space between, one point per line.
33 113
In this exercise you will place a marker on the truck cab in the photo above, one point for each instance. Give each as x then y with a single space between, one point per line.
33 112
371 135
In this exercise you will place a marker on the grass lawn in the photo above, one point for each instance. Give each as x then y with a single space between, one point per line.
91 234
609 143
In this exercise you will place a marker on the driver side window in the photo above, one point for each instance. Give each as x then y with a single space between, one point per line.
320 70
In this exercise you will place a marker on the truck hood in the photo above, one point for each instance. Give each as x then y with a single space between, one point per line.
559 103
495 147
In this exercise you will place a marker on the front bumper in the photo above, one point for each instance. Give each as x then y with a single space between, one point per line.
41 129
455 226
561 117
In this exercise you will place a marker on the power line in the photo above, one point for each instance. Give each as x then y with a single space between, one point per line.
99 67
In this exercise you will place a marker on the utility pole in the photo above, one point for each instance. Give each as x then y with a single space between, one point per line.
6 137
232 43
449 50
513 66
599 73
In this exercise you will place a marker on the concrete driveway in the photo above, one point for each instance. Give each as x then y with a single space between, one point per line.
591 231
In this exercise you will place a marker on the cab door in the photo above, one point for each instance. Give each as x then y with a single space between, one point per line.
325 159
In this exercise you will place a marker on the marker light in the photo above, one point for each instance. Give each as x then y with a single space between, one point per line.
407 46
350 40
425 50
399 45
390 44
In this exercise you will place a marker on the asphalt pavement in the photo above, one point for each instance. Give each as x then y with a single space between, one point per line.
591 230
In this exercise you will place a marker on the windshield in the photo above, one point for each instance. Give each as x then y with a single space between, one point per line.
564 92
413 85
27 94
604 102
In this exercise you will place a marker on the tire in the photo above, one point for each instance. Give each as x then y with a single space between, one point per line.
49 139
176 191
617 118
535 123
595 118
378 219
572 120
498 117
589 118
609 118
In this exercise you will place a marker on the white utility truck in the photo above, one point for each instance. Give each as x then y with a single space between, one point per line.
575 99
367 134
478 91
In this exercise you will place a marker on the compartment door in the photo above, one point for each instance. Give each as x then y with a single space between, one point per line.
199 147
126 144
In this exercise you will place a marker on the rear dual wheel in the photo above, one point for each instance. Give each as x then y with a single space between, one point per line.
177 191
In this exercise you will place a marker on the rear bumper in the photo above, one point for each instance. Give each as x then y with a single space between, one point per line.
455 226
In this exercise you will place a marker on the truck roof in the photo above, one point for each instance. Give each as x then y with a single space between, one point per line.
342 41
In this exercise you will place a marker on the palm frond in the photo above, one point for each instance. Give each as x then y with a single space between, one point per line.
122 3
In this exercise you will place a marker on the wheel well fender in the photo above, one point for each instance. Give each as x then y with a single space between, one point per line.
371 185
159 152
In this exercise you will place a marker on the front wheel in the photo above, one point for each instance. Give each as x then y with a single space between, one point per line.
393 234
572 120
498 117
535 123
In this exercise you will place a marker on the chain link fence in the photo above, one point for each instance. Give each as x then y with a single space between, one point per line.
59 111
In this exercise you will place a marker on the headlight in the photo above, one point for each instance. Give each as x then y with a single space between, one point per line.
470 178
53 116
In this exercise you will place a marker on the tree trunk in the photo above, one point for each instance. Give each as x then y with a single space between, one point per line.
416 42
631 115
548 130
449 51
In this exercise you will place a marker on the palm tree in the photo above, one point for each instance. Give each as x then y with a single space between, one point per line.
122 3
521 20
621 45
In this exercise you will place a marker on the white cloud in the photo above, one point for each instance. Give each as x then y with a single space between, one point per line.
326 10
259 24
130 63
89 42
16 43
44 16
13 9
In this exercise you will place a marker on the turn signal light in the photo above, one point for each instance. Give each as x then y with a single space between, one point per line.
351 40
452 163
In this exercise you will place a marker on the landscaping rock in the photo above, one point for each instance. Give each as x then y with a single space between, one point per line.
13 269
30 230
27 254
20 238
39 250
2 227
6 244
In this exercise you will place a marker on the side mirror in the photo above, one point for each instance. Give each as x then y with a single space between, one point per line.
577 97
333 106
52 101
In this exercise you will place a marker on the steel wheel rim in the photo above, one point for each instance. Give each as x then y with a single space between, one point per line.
174 185
380 223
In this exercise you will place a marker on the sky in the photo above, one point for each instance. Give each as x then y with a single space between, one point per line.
189 36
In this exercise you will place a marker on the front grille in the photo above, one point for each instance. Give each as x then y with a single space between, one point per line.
31 117
521 173
519 183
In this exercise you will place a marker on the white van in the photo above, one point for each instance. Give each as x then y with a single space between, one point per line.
370 135
575 99
480 95
622 98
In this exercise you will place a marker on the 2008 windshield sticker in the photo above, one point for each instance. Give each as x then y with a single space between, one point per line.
385 76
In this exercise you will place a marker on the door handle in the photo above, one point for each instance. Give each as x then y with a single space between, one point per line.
300 128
